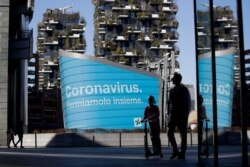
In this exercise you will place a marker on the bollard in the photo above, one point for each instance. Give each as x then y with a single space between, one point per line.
191 137
120 139
93 141
35 140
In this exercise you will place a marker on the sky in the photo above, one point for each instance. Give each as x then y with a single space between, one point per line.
185 17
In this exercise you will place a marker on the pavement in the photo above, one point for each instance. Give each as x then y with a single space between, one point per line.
108 157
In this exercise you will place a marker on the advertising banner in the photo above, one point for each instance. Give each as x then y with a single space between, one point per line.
224 87
97 93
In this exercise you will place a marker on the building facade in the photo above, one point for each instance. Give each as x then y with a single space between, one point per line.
138 33
16 49
59 29
226 36
4 31
220 64
225 31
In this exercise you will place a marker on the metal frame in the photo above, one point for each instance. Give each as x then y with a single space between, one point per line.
243 96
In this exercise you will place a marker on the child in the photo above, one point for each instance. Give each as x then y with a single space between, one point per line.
10 137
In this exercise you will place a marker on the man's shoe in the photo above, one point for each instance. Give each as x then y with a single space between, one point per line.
181 156
174 155
21 147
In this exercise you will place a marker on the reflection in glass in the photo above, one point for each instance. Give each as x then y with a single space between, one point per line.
226 42
203 44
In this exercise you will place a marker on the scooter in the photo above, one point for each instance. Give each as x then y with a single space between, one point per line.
148 153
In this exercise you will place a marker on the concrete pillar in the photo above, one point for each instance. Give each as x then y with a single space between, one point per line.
4 46
24 93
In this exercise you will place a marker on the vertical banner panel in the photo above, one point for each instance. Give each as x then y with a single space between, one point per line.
224 88
98 93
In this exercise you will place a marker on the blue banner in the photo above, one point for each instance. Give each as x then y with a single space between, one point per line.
224 87
97 93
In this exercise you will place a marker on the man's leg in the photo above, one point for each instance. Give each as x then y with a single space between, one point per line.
171 137
158 141
21 141
183 132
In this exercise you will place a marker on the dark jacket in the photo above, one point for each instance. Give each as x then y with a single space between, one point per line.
179 103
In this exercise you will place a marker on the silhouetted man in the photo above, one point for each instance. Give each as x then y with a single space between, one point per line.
19 132
178 110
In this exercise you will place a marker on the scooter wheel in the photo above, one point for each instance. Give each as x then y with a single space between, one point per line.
161 155
146 156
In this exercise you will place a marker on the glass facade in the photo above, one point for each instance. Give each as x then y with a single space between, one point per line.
220 80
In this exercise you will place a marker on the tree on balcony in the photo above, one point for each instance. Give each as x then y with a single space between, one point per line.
130 2
55 35
82 20
155 43
119 51
66 43
155 2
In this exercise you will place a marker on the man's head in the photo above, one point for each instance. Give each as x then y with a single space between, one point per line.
151 100
200 99
176 78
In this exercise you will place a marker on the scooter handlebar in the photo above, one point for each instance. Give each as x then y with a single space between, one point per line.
146 120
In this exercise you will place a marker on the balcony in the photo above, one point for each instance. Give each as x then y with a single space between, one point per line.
155 16
51 21
131 8
167 1
76 50
78 28
42 27
144 38
224 19
202 34
115 8
121 38
133 30
173 8
225 40
170 23
144 15
123 16
130 54
45 70
164 46
51 43
231 25
22 47
51 63
171 36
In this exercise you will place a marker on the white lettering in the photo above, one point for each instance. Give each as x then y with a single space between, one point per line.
221 89
102 89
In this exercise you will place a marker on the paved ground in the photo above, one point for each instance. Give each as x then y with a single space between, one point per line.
105 156
88 157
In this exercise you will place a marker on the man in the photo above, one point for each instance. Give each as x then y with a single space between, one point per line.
19 132
179 105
